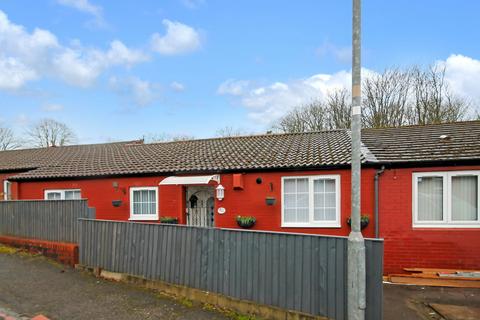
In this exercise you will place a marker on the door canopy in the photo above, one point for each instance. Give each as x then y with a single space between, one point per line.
186 180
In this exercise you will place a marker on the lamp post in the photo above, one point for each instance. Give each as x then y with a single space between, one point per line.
356 277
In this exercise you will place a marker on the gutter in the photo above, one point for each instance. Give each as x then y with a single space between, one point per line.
376 205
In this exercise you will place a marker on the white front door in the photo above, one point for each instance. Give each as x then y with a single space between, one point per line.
200 206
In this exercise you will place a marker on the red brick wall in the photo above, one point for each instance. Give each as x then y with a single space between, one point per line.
425 247
5 176
66 253
249 201
404 246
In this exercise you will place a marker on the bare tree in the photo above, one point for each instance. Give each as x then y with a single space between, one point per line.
50 133
338 109
386 99
308 117
229 131
433 102
8 140
164 137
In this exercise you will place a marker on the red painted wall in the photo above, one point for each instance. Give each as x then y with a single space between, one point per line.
404 246
251 201
14 189
426 247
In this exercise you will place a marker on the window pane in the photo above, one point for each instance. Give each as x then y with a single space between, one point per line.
54 196
464 198
136 208
290 215
290 201
319 214
318 185
330 214
302 185
318 200
302 200
289 185
330 185
330 200
136 196
324 200
72 194
430 198
302 215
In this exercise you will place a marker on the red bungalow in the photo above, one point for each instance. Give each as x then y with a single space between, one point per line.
420 185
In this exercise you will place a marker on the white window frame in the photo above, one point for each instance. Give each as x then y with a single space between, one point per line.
312 223
7 190
62 193
447 201
143 217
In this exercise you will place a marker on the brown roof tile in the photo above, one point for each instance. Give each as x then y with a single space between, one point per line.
272 151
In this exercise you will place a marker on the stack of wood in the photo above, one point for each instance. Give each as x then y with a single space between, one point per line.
437 277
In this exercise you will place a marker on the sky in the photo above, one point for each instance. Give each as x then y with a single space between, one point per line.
119 70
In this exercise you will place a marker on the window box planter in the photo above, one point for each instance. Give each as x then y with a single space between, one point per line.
364 220
116 203
246 222
169 220
270 201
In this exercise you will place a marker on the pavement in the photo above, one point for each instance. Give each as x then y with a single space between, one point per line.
34 286
404 302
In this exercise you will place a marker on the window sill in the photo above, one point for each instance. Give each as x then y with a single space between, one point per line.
446 226
144 218
310 225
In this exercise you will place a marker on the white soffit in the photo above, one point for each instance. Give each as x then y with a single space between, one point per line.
174 180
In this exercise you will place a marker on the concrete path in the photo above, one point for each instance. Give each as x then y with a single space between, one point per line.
415 302
31 286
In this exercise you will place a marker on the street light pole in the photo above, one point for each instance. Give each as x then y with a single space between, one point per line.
356 244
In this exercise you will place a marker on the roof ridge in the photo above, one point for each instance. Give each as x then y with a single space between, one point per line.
424 125
273 134
126 142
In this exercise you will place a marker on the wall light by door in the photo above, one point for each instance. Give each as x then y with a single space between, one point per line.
220 192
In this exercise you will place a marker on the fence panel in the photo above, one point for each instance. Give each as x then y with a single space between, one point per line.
307 273
53 220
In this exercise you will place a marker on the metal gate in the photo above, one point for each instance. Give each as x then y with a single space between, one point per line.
200 207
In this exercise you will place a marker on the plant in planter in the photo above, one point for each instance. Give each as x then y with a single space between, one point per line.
270 201
169 220
116 203
246 221
364 220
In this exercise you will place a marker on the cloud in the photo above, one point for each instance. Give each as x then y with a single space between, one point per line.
341 54
27 56
52 107
14 74
463 76
137 91
179 39
177 86
233 87
193 4
86 7
266 103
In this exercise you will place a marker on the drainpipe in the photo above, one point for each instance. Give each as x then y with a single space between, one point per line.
376 178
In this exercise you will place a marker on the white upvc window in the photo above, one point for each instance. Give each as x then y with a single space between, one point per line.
7 190
311 201
63 194
446 199
144 203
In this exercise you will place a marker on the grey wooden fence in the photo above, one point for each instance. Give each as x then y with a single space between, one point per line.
54 220
306 273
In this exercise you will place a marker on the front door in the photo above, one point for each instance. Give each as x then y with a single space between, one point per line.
200 206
